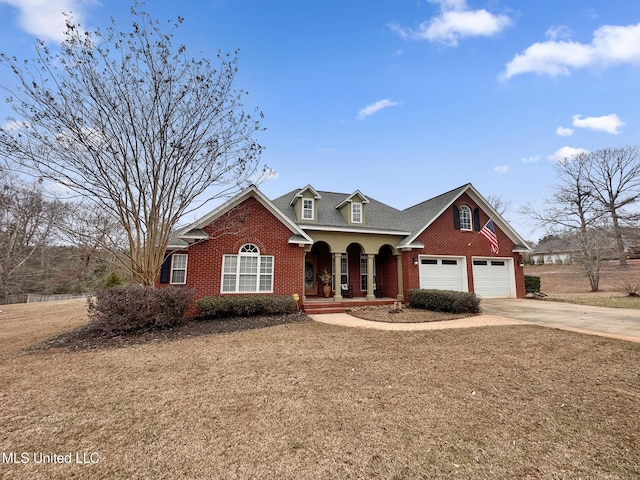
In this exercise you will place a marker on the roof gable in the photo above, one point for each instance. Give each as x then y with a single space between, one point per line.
351 198
195 230
425 213
300 194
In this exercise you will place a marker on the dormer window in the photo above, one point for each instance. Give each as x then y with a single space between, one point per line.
465 218
356 212
307 208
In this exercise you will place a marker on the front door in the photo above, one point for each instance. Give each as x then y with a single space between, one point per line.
310 272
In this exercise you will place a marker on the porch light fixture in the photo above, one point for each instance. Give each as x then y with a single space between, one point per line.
415 260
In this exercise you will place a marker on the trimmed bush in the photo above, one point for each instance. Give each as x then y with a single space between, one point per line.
245 305
448 301
531 284
134 308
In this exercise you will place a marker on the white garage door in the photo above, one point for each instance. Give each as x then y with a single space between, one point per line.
493 278
443 274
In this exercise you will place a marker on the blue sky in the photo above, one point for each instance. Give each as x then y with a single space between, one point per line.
405 100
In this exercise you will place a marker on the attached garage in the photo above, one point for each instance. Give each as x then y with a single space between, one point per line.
494 277
443 273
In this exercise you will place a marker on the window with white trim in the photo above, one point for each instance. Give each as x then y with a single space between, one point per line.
344 272
364 270
247 272
364 266
307 208
178 268
465 218
356 212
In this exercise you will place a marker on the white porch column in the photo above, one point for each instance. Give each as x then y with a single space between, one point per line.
370 293
337 293
400 282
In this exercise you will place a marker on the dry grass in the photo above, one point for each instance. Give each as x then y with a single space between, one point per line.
386 313
568 283
308 400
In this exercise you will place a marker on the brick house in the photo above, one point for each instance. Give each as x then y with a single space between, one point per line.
361 247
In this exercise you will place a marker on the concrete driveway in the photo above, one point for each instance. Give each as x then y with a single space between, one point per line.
620 323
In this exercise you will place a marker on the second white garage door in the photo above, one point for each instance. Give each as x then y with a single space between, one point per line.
443 273
493 278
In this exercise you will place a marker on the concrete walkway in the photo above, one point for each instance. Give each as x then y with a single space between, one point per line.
346 320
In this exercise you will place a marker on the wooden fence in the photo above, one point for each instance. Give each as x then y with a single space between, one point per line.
33 298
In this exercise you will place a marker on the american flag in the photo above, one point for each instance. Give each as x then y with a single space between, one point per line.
489 232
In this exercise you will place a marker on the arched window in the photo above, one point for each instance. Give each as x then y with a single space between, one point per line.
248 271
465 218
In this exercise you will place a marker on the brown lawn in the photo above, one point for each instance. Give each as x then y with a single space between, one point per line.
569 283
313 401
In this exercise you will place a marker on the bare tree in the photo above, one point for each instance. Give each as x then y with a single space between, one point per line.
27 223
613 175
134 126
572 212
499 204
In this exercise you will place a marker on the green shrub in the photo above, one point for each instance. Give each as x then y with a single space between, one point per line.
444 301
134 308
113 280
245 305
531 284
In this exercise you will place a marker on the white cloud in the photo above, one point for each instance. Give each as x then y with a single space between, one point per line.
15 125
558 32
566 153
501 169
611 45
44 18
379 105
606 123
564 132
455 21
530 159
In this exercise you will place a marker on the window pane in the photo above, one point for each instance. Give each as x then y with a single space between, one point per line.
230 263
449 262
265 283
465 218
229 283
249 248
307 209
178 276
356 212
429 261
179 261
247 283
248 264
266 264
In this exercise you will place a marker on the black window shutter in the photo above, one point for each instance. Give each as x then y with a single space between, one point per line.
456 218
476 219
165 270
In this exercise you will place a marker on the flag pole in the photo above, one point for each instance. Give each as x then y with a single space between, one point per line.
478 233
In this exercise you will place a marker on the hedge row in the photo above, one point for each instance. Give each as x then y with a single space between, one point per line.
444 301
531 284
133 308
245 305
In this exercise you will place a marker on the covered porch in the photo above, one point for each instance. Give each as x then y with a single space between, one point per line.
352 271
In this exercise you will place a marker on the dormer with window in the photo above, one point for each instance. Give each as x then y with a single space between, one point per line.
305 204
353 208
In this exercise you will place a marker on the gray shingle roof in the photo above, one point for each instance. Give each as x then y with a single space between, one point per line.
378 216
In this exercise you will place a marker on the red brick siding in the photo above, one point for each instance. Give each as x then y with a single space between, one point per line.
441 238
250 222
